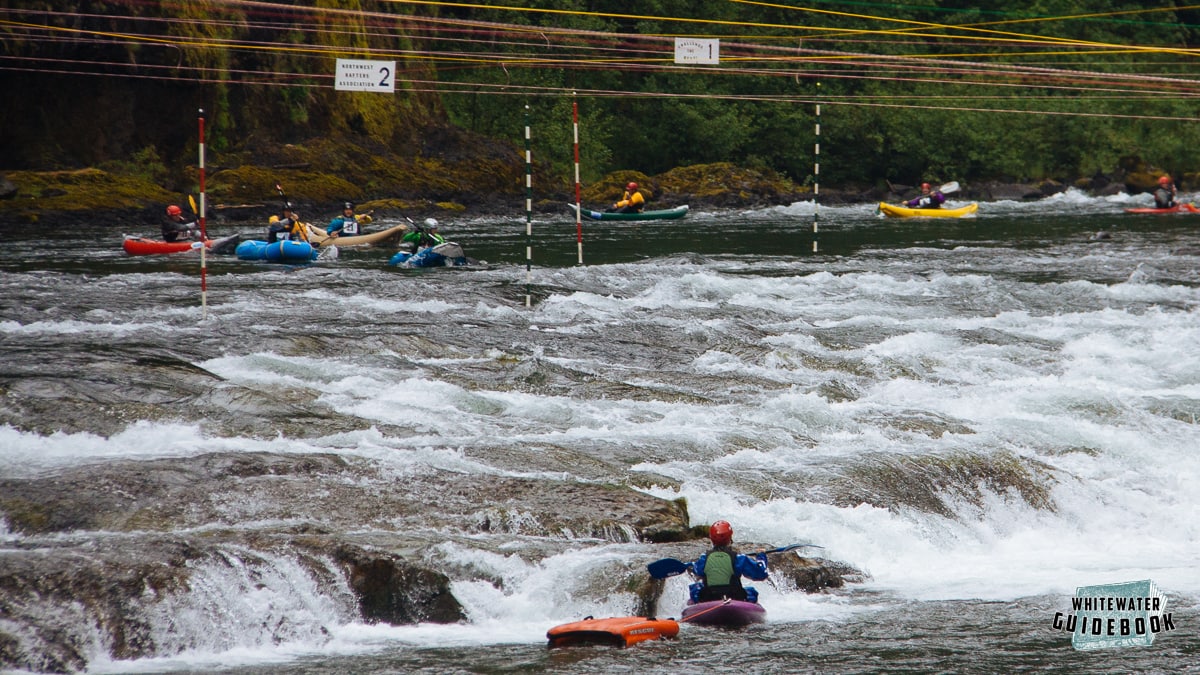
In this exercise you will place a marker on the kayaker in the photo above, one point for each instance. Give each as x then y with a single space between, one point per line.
1164 196
287 225
929 199
721 569
631 202
176 227
347 223
422 237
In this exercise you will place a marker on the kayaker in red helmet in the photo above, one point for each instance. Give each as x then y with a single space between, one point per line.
929 199
722 568
176 226
631 202
1164 196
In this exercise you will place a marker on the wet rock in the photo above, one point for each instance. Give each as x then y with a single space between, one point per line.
8 189
330 491
942 484
150 596
993 191
813 575
392 590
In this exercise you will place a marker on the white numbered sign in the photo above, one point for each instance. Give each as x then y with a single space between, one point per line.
696 50
360 75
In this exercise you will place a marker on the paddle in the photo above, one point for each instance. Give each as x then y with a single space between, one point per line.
669 567
279 189
946 189
316 236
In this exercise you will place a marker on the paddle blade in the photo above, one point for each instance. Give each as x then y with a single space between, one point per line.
667 567
952 186
192 202
791 547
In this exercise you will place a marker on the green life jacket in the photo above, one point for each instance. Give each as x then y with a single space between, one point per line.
718 569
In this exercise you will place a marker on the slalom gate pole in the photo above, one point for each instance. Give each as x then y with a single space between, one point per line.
528 212
203 231
817 171
578 203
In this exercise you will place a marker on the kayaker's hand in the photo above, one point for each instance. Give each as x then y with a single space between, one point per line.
762 558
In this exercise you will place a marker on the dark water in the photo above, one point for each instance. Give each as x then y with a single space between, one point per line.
805 394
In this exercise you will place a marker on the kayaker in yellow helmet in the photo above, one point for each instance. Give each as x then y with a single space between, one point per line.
929 199
631 202
286 225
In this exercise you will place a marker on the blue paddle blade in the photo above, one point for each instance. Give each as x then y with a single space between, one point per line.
667 567
791 547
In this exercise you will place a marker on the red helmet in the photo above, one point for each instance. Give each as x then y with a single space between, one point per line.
721 533
1164 180
173 210
926 186
631 187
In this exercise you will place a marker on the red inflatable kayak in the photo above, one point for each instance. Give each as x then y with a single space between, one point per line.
618 631
728 613
1178 208
144 246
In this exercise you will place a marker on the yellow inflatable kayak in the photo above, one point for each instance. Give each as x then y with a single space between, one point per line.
894 211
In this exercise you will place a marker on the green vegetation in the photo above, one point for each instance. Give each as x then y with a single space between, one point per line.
1055 89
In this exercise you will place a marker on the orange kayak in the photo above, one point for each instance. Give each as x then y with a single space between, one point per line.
618 631
1178 208
143 246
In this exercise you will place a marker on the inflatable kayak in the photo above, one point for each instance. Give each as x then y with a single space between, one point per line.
894 211
447 254
278 251
664 214
1178 208
619 631
319 237
144 246
727 613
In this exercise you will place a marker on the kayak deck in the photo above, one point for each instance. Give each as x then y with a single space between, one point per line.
894 211
618 631
146 246
1178 208
662 214
726 613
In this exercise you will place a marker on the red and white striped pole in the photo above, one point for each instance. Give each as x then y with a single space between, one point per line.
578 204
203 230
817 170
528 213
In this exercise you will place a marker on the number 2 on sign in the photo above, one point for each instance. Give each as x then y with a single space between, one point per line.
386 74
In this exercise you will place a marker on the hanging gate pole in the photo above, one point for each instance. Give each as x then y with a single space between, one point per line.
203 230
528 212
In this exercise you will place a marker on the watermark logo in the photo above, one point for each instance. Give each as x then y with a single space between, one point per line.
1115 615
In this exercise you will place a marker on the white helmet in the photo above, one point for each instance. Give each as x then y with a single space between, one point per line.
431 223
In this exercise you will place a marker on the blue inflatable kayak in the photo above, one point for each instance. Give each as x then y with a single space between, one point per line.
278 251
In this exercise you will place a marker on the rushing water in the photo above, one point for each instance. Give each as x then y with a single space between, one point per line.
756 376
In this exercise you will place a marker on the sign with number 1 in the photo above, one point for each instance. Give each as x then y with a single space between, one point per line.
696 50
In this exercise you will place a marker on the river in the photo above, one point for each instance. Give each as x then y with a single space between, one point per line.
840 388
